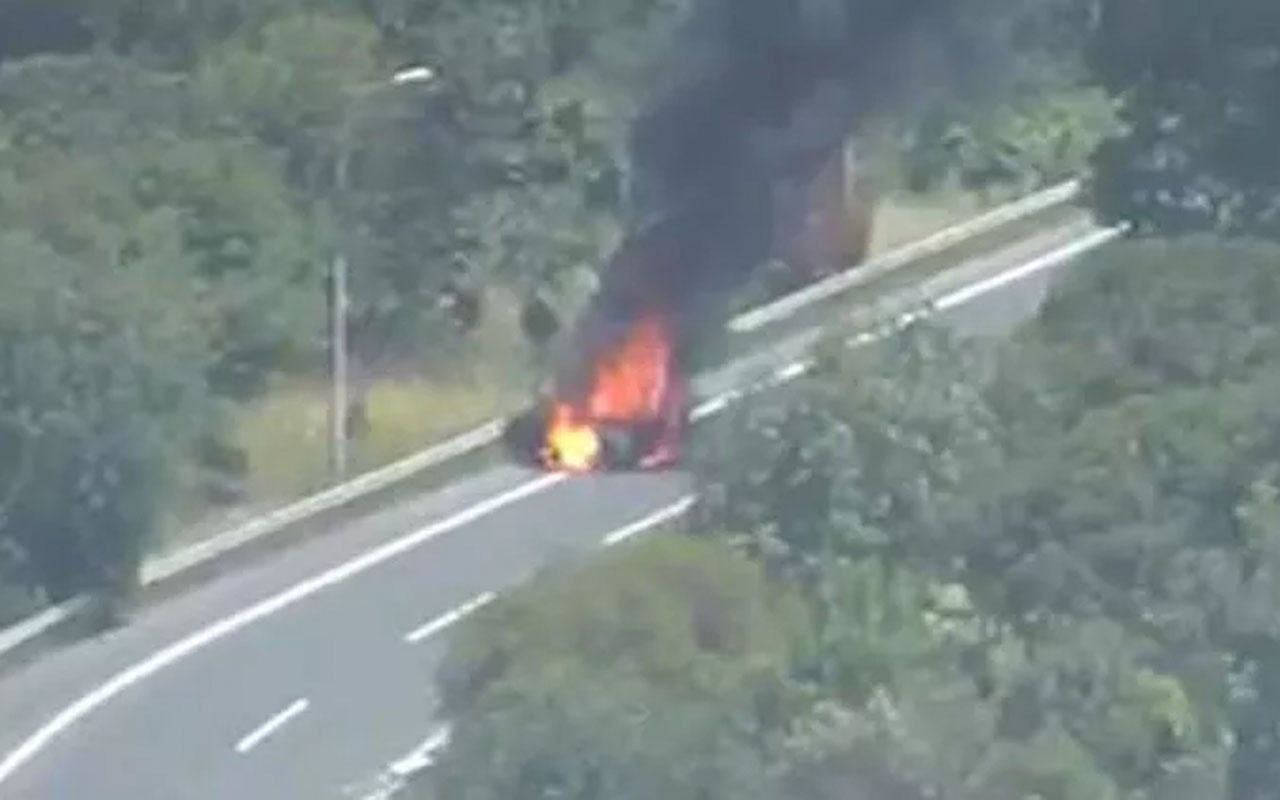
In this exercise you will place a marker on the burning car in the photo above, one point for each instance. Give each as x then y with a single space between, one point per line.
743 156
627 410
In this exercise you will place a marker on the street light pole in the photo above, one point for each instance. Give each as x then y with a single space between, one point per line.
338 279
338 346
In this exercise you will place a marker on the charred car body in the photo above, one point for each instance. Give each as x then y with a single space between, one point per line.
623 405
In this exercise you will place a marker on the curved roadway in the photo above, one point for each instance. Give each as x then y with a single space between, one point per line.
309 673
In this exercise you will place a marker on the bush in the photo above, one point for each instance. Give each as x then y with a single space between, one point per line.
655 673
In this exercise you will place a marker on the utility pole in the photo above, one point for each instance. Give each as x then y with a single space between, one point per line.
338 409
338 304
338 282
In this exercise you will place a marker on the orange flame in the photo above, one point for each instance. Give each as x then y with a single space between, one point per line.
571 444
630 383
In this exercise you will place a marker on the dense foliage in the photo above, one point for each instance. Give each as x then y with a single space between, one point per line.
676 648
1200 113
1038 568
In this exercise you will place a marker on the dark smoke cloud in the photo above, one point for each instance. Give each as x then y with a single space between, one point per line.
755 98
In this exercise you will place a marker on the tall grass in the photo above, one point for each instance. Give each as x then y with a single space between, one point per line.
285 435
905 218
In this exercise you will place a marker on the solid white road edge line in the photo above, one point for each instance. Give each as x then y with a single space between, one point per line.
658 517
388 783
450 618
953 299
185 647
202 638
453 617
260 734
421 756
1048 260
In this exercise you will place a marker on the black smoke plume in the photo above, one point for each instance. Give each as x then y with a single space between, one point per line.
757 96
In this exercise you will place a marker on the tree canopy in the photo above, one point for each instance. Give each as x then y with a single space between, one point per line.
1200 113
1089 505
1042 567
671 649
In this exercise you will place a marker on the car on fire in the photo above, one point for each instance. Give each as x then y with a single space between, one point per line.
622 406
558 436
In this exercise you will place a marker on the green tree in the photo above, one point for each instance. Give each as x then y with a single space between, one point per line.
94 137
874 455
175 35
1102 484
1200 116
100 389
1148 318
1161 366
541 94
34 26
1034 115
1044 134
661 672
290 83
105 171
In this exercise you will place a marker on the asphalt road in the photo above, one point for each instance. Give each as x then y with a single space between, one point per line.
310 673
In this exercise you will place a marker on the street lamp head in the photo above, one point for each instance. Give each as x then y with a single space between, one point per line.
418 74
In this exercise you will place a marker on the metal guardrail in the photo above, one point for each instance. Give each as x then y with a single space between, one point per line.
163 568
38 624
879 267
167 568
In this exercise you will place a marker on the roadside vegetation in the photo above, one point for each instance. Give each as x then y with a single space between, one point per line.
1039 567
1043 567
